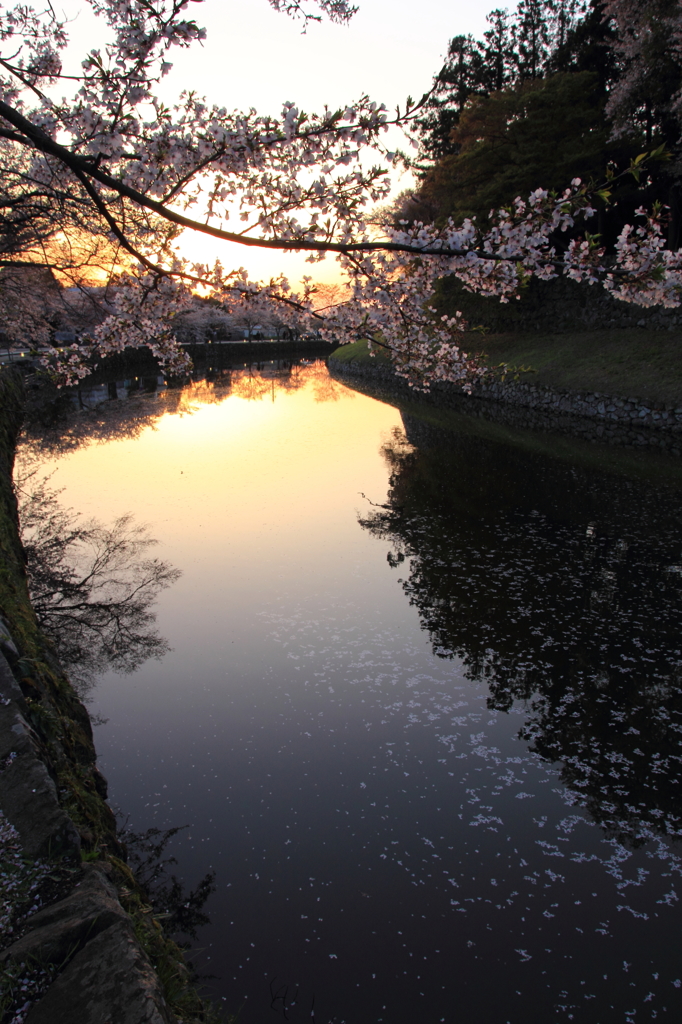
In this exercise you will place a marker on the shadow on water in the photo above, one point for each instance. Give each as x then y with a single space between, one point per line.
561 589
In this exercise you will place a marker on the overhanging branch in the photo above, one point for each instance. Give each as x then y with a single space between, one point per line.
31 135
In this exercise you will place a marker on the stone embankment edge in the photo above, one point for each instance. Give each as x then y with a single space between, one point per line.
91 933
594 416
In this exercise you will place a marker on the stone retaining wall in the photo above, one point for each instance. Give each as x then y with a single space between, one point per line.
631 412
593 416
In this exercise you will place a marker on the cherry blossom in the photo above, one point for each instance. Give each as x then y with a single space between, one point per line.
108 178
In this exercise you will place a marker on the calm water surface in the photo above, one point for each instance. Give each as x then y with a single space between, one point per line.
429 739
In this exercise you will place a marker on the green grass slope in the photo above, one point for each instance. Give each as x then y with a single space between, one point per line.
633 363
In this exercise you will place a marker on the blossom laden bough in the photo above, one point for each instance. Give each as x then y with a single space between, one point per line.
114 163
390 287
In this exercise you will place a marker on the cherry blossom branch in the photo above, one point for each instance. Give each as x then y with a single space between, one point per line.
115 156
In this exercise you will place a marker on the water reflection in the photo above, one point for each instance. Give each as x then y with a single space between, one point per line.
93 587
58 422
563 594
182 911
384 843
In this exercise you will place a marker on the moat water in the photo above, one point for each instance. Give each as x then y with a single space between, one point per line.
422 711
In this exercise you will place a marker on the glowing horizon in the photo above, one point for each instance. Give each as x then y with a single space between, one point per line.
255 57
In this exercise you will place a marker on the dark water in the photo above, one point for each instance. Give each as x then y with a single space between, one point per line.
431 745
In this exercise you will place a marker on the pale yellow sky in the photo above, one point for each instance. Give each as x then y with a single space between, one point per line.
254 57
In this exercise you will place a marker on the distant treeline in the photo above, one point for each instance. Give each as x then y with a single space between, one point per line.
551 93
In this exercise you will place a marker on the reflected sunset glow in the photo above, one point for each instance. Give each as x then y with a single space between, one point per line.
202 438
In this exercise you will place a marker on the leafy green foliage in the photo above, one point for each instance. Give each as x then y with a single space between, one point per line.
548 130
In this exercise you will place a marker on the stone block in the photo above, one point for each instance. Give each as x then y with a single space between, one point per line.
109 981
106 978
55 933
29 801
28 795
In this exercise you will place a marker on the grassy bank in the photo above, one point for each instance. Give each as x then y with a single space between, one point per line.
357 351
633 363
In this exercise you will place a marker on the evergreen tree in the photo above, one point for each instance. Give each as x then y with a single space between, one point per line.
462 76
499 50
533 35
514 48
587 45
565 15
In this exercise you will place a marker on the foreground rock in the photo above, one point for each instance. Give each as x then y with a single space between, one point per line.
107 978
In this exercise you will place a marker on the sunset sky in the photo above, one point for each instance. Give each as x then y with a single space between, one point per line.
254 57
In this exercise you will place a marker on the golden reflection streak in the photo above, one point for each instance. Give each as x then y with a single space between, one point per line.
109 420
209 467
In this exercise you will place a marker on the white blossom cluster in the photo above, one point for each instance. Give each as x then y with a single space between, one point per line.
115 162
651 275
389 287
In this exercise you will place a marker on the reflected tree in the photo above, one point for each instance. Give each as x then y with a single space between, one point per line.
92 586
252 385
562 591
182 909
